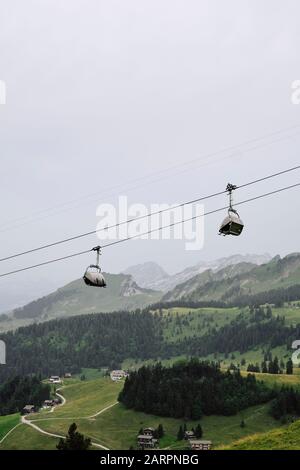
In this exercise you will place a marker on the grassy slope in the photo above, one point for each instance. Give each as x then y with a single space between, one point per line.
117 427
7 423
76 298
26 438
88 300
278 273
22 437
279 379
287 438
198 322
85 398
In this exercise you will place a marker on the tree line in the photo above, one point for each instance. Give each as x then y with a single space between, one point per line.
191 389
20 391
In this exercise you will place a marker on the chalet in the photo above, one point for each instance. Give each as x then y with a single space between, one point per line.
148 431
189 435
48 403
55 379
196 444
28 409
116 375
145 441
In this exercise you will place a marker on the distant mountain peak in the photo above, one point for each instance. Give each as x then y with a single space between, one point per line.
242 280
148 274
152 276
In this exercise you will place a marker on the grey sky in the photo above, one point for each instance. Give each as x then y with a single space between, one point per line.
101 93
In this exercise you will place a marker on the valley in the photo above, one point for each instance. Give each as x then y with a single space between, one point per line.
248 336
117 427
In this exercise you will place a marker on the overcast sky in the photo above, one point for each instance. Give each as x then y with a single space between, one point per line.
103 93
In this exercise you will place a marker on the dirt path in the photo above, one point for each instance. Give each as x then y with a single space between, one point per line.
11 430
37 428
32 422
64 401
101 411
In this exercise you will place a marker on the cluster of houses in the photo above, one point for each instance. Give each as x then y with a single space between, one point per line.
196 444
28 409
55 379
117 375
147 440
50 403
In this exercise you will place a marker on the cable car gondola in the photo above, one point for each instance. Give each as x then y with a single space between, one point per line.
93 275
232 224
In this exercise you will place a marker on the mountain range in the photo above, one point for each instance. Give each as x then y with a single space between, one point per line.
231 283
150 275
75 298
225 280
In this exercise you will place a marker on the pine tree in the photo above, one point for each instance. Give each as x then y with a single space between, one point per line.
198 431
264 367
196 410
269 312
180 434
289 367
275 365
74 440
160 431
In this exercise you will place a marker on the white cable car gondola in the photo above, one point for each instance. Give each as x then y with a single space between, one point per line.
93 275
232 224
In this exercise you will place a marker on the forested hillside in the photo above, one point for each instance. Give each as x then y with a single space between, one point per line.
189 390
83 341
101 340
20 391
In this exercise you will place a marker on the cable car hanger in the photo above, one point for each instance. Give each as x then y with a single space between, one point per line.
116 242
93 275
69 239
232 224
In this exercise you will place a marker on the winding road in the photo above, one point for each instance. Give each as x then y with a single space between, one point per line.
32 424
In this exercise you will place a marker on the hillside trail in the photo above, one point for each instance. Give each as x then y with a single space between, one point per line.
11 430
23 421
64 401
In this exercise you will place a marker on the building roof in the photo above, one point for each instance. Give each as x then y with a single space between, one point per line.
145 436
28 407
